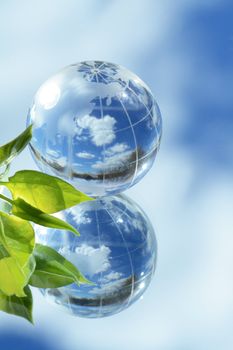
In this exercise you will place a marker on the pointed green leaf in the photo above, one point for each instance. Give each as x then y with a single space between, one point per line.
53 270
4 172
25 211
10 150
47 193
16 262
18 306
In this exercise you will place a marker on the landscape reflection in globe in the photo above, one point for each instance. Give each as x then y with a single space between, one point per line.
97 125
116 251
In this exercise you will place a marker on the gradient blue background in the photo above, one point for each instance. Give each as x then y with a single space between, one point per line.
184 51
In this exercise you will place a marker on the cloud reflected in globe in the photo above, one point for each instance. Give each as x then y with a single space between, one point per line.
97 125
116 250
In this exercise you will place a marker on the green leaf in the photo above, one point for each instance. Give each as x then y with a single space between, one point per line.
4 172
53 270
10 150
3 252
47 193
16 261
18 306
25 211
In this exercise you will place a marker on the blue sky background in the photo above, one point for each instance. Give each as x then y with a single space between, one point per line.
184 51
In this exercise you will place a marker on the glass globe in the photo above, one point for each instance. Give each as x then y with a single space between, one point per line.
116 250
96 125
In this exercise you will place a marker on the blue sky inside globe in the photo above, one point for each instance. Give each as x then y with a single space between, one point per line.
116 251
97 125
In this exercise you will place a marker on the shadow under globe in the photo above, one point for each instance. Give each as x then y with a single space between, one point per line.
117 251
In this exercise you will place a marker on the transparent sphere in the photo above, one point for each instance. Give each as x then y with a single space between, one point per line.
96 125
116 250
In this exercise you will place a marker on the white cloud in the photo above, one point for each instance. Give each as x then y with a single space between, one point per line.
79 215
118 159
114 275
135 222
53 153
117 148
82 138
144 232
101 130
88 259
115 156
85 155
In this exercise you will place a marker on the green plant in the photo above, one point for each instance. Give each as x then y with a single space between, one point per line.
23 263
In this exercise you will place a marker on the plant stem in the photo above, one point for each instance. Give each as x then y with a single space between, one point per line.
6 199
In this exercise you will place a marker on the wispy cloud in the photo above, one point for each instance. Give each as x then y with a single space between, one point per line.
117 148
85 155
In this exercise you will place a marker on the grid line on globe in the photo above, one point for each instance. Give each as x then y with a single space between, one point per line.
98 126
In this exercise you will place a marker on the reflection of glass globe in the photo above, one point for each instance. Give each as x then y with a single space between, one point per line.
97 125
116 251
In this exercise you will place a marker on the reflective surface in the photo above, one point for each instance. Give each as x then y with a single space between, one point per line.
97 125
116 250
